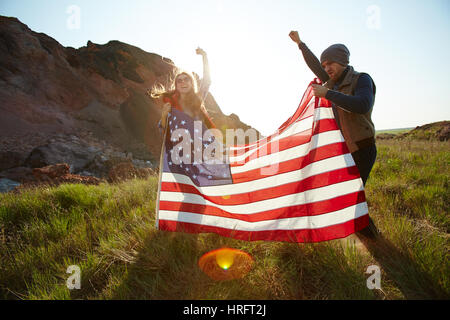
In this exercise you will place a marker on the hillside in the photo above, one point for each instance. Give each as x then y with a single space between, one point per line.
436 131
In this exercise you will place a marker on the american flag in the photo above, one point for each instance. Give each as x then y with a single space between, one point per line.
300 184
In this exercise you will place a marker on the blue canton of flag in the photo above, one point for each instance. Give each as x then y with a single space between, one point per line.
184 155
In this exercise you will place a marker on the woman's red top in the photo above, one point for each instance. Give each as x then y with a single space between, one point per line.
175 103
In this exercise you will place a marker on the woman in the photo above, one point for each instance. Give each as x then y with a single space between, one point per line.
183 95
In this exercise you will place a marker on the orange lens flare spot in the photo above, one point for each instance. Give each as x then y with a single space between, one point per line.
226 264
225 258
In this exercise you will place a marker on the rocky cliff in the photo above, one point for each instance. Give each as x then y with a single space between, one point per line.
89 101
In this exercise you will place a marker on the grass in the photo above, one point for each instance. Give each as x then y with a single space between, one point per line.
109 232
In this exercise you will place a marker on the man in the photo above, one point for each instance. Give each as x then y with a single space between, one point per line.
352 95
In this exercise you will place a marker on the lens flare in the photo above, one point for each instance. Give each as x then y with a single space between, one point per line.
226 264
225 258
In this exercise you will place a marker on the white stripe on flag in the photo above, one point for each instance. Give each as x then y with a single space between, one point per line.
296 223
315 168
296 127
308 196
318 140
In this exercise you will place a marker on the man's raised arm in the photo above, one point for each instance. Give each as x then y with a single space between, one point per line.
311 60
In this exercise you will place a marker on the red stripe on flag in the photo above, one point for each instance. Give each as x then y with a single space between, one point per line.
288 142
309 112
308 209
318 154
246 147
303 235
317 181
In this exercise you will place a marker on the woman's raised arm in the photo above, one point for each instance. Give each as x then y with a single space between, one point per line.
206 80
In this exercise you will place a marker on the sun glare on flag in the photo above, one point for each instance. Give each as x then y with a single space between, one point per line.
226 264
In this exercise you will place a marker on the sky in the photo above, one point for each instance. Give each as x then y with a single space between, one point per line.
257 72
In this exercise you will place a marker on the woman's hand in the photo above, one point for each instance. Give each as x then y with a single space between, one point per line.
295 37
200 51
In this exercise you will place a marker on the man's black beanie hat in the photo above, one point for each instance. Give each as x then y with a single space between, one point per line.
337 53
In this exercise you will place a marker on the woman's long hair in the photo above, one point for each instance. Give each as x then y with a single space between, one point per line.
191 100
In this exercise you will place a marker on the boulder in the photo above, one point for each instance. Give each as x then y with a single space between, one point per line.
102 164
52 171
54 175
77 154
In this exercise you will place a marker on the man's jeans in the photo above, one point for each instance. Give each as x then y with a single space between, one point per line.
365 159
